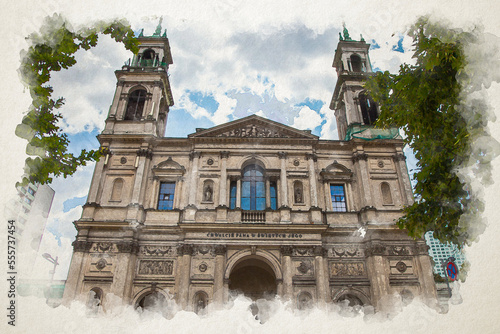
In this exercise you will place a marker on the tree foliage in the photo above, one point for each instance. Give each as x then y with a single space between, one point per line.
52 50
428 101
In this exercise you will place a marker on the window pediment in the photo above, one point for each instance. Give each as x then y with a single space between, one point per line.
169 166
336 171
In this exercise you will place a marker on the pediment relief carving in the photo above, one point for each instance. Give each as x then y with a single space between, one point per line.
169 164
253 127
336 171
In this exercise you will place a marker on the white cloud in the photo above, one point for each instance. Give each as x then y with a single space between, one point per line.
307 119
329 129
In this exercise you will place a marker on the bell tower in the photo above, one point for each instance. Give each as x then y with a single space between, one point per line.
143 96
355 110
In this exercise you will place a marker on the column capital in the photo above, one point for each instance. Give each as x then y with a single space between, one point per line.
320 251
282 155
311 156
128 247
359 156
399 157
185 249
287 250
224 154
148 153
194 154
220 250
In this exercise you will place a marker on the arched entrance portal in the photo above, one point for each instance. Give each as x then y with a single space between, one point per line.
254 278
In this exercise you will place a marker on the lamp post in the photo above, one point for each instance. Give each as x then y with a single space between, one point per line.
49 258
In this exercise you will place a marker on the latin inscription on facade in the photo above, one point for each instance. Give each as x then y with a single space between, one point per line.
150 267
217 235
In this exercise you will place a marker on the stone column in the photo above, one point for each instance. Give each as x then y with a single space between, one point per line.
238 192
312 158
81 248
223 179
184 273
193 184
321 282
268 193
425 273
136 201
284 183
154 193
361 158
220 266
286 253
404 179
378 272
125 269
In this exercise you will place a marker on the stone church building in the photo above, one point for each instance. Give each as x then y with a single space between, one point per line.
251 206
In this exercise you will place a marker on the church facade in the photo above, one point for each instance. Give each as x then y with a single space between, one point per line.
250 206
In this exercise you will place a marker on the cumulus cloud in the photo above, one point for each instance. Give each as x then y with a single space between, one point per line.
307 119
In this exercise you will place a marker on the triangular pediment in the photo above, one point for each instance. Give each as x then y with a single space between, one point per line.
253 127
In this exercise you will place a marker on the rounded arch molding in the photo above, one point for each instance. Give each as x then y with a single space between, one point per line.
133 87
253 159
262 255
354 292
146 291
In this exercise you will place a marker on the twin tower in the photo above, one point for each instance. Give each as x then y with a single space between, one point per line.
251 206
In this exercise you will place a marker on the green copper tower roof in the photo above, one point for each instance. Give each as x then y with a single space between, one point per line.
157 33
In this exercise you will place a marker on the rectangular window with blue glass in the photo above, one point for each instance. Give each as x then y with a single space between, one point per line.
338 198
166 196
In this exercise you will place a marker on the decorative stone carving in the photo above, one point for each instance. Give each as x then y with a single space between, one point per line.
210 161
296 162
375 249
347 251
380 164
401 266
304 267
128 247
224 154
220 250
102 247
81 246
158 251
101 264
303 251
203 267
298 195
207 193
422 249
312 156
145 153
320 251
123 160
185 250
252 130
287 250
203 250
359 156
282 155
399 250
347 269
152 267
194 154
399 157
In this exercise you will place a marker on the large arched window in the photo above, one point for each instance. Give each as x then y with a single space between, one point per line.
356 65
253 189
148 57
135 105
368 109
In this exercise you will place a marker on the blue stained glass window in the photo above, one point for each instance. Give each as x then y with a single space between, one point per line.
338 198
232 195
253 190
274 195
166 197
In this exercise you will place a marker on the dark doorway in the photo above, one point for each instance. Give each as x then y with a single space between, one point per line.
254 278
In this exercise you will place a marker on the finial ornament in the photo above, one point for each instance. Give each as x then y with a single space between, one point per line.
141 34
361 39
346 33
158 28
340 36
